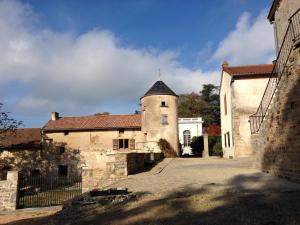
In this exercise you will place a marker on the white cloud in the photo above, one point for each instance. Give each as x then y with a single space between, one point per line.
62 71
251 42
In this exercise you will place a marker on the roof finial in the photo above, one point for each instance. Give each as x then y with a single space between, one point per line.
159 75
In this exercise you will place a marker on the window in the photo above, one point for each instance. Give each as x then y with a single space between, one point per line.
123 143
163 104
3 173
66 133
62 170
121 131
228 139
186 138
62 149
164 119
225 104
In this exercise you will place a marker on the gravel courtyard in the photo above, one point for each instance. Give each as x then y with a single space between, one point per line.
194 191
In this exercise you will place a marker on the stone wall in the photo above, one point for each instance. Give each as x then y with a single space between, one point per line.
8 191
277 145
119 166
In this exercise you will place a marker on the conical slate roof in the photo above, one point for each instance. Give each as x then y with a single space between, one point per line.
159 88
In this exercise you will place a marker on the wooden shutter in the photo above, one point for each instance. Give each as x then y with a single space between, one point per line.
115 144
131 144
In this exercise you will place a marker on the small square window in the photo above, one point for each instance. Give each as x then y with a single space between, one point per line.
163 104
164 119
121 131
66 133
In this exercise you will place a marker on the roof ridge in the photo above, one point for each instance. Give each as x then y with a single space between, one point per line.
251 65
98 115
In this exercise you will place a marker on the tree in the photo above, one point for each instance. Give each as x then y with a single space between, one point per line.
190 105
205 105
210 94
7 124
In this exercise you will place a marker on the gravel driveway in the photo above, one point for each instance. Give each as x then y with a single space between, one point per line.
180 174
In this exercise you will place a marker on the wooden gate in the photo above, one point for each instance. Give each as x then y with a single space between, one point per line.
47 190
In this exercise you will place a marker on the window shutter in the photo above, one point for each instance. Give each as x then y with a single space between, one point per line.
115 144
131 144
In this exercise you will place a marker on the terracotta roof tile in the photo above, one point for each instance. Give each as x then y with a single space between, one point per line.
21 138
264 69
94 122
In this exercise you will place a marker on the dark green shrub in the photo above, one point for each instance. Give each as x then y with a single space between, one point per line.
215 146
197 145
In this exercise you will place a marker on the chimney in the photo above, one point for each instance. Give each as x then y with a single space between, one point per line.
225 64
54 116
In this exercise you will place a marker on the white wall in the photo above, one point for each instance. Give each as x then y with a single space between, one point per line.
247 95
226 118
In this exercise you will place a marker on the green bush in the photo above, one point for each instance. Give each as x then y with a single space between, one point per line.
215 146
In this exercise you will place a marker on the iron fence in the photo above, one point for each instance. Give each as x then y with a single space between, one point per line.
47 190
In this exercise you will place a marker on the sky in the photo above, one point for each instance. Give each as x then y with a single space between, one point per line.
89 56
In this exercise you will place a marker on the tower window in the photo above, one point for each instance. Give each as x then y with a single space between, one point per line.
163 104
164 119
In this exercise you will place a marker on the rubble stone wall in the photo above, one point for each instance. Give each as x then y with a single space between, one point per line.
119 166
277 145
8 191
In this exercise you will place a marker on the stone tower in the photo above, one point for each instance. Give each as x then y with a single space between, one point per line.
159 116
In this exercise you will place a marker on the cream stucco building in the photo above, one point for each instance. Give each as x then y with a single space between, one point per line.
241 91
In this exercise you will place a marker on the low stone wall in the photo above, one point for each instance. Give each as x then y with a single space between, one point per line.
8 191
277 145
119 166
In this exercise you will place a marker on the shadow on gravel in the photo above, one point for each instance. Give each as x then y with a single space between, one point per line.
235 205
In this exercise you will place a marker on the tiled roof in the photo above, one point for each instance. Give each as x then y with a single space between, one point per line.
159 88
94 122
264 69
21 138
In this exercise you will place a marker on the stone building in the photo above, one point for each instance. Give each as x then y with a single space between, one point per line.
189 128
275 125
21 150
98 141
241 90
160 116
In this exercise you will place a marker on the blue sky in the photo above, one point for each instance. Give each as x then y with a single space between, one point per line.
83 57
